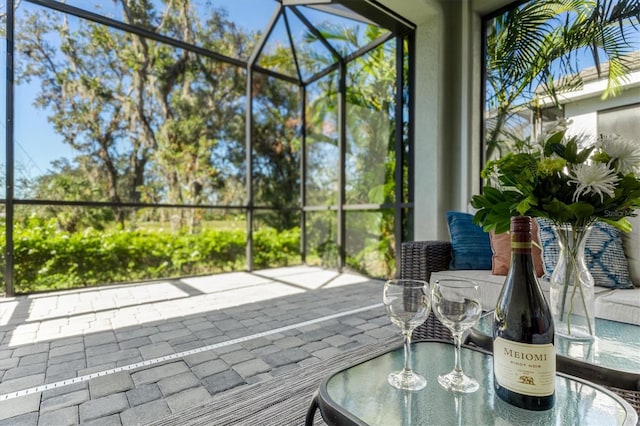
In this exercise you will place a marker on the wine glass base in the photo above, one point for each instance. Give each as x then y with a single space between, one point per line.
407 380
458 382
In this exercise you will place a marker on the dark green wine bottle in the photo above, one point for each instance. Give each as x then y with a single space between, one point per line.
524 356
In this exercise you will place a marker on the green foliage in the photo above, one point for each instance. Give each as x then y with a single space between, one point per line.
536 46
562 182
273 248
152 123
47 258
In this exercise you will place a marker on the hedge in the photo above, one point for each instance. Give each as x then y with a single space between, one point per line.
46 258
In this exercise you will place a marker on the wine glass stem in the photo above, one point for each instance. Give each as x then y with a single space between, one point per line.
457 339
407 351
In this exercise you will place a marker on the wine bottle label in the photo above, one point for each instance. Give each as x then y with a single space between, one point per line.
524 368
520 247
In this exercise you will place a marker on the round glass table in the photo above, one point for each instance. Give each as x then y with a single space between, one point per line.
360 395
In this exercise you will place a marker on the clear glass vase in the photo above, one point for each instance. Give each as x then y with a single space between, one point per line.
571 287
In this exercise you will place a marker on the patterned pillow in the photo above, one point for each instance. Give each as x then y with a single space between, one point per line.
470 245
604 254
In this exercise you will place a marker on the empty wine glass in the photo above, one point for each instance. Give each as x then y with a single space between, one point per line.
456 303
407 303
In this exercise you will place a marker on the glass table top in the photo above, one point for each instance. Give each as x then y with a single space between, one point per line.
362 391
616 345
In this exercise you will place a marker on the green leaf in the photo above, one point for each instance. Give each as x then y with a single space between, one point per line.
526 204
571 151
558 148
556 138
480 216
581 210
584 154
622 224
492 195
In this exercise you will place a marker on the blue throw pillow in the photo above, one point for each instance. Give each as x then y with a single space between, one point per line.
470 245
604 254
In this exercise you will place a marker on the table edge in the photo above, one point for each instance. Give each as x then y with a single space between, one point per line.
621 379
335 412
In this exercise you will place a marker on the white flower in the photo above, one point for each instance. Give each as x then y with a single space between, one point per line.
623 153
596 178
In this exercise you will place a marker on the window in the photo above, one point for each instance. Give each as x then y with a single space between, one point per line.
623 121
199 130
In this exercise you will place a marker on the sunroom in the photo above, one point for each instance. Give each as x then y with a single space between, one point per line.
319 133
157 149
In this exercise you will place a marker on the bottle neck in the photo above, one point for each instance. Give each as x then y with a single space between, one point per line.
521 247
521 240
521 252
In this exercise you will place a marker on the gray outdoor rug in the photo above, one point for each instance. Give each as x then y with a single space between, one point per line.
279 401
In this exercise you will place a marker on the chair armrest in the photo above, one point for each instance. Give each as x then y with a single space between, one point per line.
420 258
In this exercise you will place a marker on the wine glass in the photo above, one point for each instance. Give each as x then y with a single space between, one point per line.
456 303
407 303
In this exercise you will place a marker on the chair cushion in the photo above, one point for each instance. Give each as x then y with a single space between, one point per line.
631 243
619 305
470 245
501 248
491 286
604 254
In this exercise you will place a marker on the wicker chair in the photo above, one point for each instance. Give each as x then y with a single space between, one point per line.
419 259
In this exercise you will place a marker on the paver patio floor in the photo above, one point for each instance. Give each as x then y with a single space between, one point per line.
130 354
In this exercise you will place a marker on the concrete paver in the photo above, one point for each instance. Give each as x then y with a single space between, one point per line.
66 358
178 383
210 368
188 398
252 367
112 420
8 386
52 338
155 374
145 413
143 394
62 401
225 380
155 350
63 390
25 404
112 383
102 407
29 419
59 351
63 417
31 349
9 363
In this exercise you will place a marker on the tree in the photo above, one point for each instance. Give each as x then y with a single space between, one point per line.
537 46
276 144
82 85
370 140
69 182
139 110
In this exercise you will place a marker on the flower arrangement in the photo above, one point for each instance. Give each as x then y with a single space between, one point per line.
568 180
573 182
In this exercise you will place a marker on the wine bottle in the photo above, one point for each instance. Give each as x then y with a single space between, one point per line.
524 356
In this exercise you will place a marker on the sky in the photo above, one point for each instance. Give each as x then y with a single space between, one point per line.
37 145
